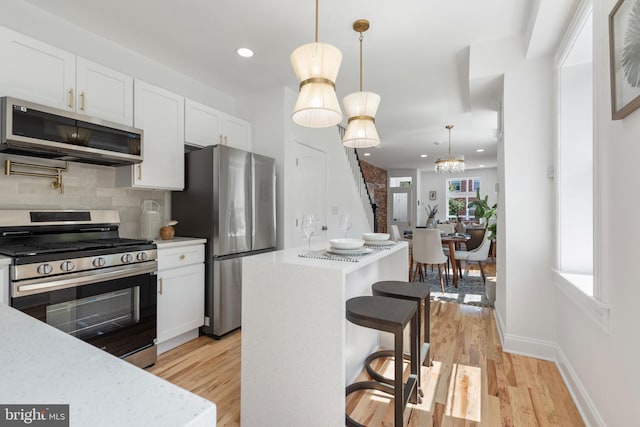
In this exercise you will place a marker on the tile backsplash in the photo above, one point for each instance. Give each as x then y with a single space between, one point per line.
85 187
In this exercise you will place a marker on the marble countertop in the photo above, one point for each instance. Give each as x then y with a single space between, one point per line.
42 365
5 260
178 241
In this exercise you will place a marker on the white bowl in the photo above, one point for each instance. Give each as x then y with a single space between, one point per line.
375 236
346 243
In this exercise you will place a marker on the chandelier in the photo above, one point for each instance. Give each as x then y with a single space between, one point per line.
316 65
361 108
451 163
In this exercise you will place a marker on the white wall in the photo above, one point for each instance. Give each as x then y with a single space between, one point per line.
431 181
603 363
525 240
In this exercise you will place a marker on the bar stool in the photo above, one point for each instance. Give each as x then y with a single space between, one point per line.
388 315
417 292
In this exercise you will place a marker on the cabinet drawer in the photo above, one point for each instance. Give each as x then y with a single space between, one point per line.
180 256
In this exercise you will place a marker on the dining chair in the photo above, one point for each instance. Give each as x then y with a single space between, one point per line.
427 250
395 234
479 255
447 228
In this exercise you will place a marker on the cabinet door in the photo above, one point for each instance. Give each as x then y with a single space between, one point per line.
160 114
36 72
201 124
236 132
180 300
104 93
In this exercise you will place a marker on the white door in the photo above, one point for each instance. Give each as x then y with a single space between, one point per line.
311 191
399 208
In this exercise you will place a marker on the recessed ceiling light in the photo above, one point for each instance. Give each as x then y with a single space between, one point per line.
245 52
480 150
423 155
367 154
480 166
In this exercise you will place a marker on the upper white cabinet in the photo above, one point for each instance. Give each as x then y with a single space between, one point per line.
36 72
160 114
206 126
40 73
103 93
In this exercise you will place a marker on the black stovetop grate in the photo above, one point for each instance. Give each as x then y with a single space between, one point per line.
54 247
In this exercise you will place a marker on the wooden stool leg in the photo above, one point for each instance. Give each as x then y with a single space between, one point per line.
440 276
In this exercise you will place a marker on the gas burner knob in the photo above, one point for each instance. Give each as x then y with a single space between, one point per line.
142 256
67 266
44 269
126 258
99 262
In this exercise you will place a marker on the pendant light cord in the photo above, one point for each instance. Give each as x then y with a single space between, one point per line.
317 21
361 37
449 127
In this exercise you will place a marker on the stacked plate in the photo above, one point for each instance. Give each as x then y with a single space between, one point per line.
377 239
348 247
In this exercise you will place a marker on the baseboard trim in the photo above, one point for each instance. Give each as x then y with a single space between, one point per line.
587 409
551 351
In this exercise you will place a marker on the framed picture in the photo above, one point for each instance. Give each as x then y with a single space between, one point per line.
624 54
432 195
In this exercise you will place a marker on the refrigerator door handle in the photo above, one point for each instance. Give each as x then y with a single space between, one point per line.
253 202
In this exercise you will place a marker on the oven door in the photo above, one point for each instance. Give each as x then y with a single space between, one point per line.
113 309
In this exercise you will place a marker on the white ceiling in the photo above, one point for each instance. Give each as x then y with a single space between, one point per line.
415 57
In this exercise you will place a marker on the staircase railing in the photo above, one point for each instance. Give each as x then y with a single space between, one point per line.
370 208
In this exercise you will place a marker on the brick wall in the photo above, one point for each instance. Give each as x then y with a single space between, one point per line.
376 179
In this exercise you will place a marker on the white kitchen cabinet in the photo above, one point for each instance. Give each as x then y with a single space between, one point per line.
43 74
160 114
206 126
36 72
180 294
103 93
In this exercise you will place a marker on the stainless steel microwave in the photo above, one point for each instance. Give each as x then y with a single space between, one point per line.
37 130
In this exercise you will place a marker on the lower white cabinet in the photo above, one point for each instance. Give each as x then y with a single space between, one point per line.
4 283
180 294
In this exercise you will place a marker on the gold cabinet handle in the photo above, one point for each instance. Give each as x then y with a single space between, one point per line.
182 257
82 104
160 285
140 172
71 98
225 140
220 138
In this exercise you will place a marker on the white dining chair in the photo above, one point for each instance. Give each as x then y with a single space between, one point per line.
395 233
447 228
479 254
427 250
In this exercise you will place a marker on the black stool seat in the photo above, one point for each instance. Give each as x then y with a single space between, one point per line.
418 293
388 315
383 314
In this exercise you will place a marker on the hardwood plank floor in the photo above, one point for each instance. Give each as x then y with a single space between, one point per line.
472 381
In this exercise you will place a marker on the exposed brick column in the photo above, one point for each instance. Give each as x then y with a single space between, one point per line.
377 178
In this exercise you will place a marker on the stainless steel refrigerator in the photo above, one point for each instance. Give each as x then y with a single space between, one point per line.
229 199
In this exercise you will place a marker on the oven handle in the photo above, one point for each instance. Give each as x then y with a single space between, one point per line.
41 285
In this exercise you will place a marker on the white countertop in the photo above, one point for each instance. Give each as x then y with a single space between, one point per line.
42 365
291 256
178 241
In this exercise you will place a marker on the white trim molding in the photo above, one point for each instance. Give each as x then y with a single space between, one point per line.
585 405
595 310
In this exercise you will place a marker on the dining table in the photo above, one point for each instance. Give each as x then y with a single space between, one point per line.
452 241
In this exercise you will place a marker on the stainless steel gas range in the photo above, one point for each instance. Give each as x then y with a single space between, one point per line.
70 269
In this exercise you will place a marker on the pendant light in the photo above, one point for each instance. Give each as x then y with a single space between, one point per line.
316 65
451 163
361 108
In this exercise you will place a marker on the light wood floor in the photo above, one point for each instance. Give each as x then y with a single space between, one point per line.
472 381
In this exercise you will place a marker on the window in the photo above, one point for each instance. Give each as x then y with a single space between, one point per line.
574 177
461 191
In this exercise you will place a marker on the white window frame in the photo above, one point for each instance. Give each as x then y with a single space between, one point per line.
593 303
457 195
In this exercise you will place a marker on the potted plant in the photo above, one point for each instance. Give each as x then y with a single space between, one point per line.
481 205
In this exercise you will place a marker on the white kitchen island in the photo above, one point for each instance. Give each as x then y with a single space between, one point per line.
298 350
